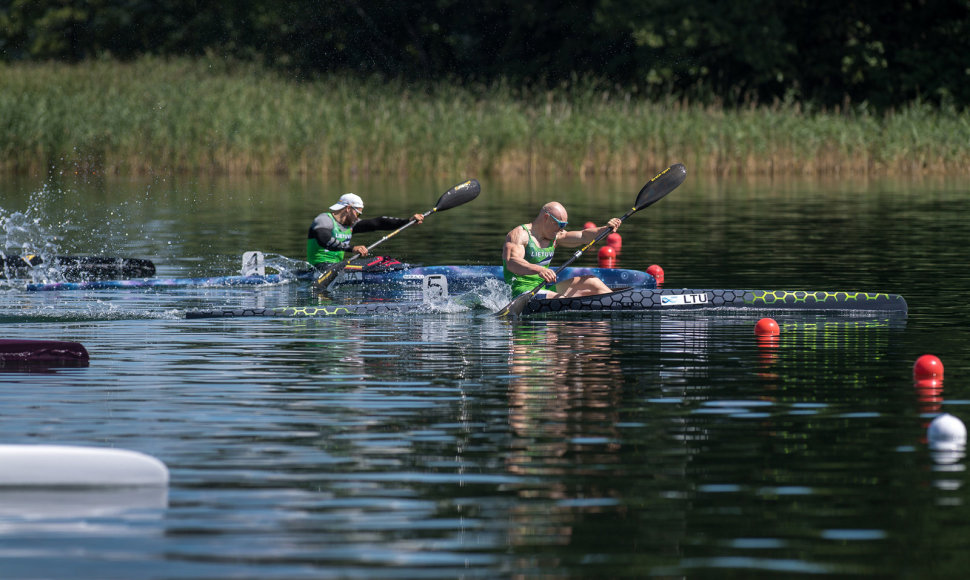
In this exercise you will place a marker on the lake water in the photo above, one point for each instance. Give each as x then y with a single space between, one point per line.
456 445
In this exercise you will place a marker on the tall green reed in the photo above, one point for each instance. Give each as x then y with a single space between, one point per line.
164 116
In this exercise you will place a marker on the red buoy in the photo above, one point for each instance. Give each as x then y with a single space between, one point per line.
615 241
657 272
767 327
928 366
588 225
607 257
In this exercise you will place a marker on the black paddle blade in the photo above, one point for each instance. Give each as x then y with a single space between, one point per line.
459 194
516 306
661 185
327 277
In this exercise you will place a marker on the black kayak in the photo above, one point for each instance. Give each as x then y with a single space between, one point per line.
637 299
77 268
624 300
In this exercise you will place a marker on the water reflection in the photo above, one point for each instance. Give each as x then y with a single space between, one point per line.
572 436
24 509
562 398
944 435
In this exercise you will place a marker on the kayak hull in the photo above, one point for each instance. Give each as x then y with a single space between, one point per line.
638 299
466 277
78 268
213 281
624 300
460 278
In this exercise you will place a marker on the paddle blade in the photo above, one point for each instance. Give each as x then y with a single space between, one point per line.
324 280
515 307
661 185
457 195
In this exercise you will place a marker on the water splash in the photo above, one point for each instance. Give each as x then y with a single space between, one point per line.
493 295
51 218
24 235
285 267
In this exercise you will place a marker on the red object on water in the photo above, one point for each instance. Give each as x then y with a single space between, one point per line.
768 352
932 386
767 327
657 272
607 257
588 225
928 366
615 241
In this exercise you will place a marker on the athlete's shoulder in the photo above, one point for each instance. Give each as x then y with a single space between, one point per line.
322 219
518 235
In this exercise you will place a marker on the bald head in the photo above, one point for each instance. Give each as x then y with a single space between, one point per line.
556 209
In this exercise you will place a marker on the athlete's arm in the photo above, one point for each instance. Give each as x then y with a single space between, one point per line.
513 254
379 224
323 234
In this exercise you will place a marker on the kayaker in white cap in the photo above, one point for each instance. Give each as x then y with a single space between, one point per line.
330 232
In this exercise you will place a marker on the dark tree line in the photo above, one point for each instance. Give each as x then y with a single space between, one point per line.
826 52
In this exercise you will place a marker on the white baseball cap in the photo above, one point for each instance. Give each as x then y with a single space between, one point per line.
351 199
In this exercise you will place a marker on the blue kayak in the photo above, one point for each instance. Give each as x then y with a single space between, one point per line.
466 277
161 283
459 278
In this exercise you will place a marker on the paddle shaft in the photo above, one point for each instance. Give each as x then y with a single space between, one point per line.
582 250
388 236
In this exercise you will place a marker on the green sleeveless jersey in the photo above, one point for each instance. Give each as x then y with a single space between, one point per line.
534 255
317 254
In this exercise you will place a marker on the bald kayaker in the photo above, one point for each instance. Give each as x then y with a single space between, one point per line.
529 248
329 237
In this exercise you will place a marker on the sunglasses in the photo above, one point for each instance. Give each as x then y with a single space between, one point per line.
562 225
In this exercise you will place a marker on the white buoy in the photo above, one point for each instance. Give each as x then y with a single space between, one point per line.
947 433
66 466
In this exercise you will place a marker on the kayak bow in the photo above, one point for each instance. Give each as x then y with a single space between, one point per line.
79 267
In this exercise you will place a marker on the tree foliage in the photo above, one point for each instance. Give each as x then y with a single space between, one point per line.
824 52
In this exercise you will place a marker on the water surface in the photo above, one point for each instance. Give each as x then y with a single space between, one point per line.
455 445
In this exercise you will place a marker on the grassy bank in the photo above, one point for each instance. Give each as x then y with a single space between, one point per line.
157 116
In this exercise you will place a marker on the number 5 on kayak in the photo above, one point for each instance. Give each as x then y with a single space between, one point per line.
457 195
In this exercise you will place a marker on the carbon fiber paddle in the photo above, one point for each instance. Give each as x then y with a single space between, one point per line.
651 193
457 195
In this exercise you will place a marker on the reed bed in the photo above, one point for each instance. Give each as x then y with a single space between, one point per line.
158 116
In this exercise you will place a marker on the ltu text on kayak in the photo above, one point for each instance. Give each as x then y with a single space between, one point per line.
679 299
